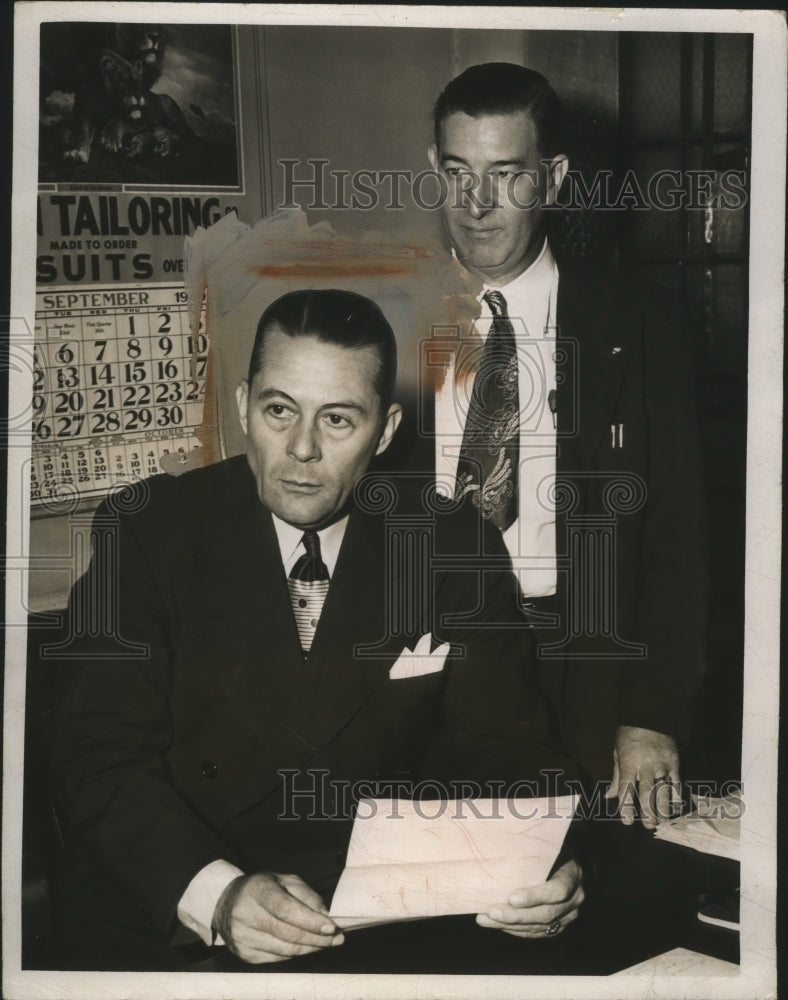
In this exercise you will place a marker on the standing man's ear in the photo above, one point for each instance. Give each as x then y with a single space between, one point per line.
393 418
432 156
242 400
557 169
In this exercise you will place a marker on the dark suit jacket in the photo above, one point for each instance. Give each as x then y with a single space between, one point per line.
170 758
625 360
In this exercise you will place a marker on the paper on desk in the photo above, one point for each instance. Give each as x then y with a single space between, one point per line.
409 860
713 827
681 962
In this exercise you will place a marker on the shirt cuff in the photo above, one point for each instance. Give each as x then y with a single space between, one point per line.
197 904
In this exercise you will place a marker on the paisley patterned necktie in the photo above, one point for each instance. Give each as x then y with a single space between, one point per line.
308 587
489 457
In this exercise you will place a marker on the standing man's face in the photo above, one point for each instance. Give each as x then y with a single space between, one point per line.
313 422
493 167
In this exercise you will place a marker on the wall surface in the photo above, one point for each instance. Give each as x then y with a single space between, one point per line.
361 99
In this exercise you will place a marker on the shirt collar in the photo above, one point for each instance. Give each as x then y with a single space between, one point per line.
290 547
537 276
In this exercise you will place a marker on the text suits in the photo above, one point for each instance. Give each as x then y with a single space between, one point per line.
171 759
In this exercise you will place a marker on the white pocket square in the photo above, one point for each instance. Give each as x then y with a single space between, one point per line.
421 661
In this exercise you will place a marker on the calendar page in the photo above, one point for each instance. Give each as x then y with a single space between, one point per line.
119 387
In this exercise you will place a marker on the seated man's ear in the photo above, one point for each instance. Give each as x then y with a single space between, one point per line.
432 156
242 399
393 418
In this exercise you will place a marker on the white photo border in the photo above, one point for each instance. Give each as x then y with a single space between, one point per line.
757 973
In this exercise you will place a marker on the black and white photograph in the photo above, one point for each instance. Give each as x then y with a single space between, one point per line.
394 443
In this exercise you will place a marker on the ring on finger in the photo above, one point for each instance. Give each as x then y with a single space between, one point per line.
553 927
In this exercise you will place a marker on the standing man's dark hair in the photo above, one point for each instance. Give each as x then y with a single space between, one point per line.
501 89
332 316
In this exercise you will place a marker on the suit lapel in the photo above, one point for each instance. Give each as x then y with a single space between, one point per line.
303 703
354 616
592 372
234 574
241 580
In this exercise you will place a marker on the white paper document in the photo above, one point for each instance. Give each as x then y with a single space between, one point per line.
681 962
409 860
714 827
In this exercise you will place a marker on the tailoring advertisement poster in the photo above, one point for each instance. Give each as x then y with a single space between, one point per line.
132 116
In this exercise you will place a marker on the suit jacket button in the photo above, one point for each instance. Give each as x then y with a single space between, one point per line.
340 856
209 769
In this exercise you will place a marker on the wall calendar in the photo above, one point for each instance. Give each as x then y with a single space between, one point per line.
119 385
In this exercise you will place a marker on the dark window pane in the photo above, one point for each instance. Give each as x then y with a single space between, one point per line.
699 310
655 230
729 325
651 80
666 275
717 215
729 228
696 94
731 90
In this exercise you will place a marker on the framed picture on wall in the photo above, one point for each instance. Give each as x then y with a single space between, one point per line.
147 105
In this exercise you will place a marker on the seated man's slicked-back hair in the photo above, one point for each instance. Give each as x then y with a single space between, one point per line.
336 317
500 89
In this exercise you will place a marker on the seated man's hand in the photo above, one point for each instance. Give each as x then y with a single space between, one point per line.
646 766
541 910
268 918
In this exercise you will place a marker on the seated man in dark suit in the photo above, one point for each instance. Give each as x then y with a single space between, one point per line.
261 605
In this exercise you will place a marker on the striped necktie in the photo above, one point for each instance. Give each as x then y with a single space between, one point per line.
489 457
308 586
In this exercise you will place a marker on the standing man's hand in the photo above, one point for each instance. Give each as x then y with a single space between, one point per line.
268 918
541 910
646 765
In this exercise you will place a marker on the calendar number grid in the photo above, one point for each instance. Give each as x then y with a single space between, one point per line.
116 388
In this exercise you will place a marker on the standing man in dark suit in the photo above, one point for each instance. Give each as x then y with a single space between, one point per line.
573 430
261 618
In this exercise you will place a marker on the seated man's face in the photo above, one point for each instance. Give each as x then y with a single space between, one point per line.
313 421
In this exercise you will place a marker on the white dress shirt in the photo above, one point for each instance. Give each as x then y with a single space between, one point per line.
197 904
531 304
291 548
